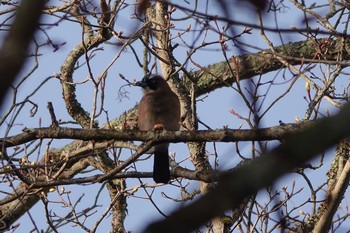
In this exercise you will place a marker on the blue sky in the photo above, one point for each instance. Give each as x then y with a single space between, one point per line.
213 110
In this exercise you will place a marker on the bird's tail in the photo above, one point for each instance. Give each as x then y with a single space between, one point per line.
161 172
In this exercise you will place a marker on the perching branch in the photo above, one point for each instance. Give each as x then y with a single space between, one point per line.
280 132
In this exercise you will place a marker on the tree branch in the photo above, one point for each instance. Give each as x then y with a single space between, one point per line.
219 75
261 172
14 50
334 198
280 132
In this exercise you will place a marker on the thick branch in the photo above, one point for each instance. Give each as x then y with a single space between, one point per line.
14 50
261 172
91 41
23 198
225 135
219 75
334 198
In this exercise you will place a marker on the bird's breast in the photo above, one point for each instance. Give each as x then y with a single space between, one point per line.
159 109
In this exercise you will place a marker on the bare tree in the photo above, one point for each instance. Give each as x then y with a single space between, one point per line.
263 88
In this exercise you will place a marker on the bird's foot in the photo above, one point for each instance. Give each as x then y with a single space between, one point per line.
158 127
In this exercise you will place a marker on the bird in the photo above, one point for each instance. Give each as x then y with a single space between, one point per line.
159 108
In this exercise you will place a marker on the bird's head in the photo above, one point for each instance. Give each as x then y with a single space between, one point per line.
153 83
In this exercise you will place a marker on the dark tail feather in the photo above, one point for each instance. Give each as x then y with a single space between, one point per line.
161 172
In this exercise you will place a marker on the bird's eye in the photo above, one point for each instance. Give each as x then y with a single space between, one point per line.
152 83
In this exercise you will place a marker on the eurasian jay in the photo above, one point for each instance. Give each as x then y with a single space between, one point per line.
159 108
